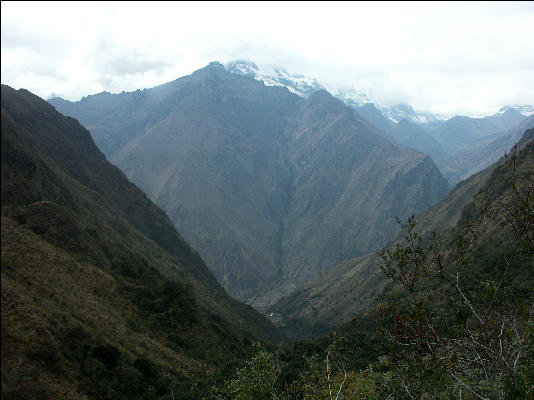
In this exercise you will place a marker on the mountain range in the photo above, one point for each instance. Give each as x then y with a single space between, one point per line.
334 298
286 192
460 145
271 188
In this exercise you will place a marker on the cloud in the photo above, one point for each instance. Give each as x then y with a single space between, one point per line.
440 57
113 63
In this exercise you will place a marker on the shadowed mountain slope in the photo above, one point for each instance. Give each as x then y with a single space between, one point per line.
271 188
98 288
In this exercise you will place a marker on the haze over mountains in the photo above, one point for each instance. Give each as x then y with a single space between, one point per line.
460 145
270 187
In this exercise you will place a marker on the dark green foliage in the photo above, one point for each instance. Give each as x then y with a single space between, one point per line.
107 355
479 338
27 388
132 266
147 369
168 305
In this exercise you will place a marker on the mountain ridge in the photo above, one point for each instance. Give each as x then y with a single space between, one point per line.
451 142
72 179
238 164
332 299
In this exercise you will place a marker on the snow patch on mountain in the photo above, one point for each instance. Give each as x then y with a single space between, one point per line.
525 109
304 86
295 83
402 111
353 97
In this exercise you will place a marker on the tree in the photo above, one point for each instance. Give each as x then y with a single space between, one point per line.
478 341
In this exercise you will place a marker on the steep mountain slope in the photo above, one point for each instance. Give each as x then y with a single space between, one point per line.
324 303
455 322
404 132
462 146
370 113
98 288
412 135
461 132
485 151
270 187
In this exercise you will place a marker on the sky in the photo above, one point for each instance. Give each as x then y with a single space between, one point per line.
446 58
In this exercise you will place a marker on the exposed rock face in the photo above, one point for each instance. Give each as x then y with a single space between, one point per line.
271 188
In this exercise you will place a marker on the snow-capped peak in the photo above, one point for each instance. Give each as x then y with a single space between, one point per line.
298 84
304 86
402 111
525 109
353 98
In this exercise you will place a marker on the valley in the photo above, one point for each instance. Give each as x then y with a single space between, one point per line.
287 195
271 188
267 201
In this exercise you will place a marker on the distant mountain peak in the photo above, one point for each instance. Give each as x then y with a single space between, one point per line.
402 111
216 64
296 83
353 97
304 86
525 109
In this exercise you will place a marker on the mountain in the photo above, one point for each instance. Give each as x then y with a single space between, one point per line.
525 109
485 151
101 297
461 132
324 303
459 145
372 114
304 86
270 187
455 318
404 111
295 83
412 135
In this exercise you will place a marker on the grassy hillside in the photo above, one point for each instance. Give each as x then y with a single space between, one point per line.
101 297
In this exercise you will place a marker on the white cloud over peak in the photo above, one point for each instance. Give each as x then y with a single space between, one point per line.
464 58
